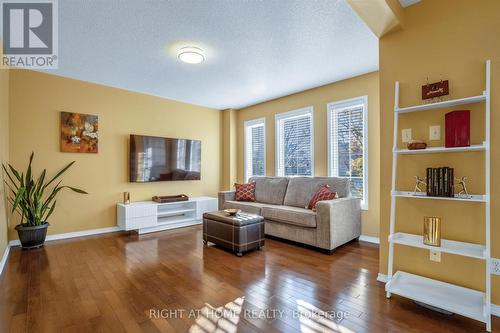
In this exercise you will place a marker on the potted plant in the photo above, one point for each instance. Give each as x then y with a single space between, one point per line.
34 200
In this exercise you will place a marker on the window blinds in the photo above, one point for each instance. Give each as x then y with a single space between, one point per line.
255 149
347 131
294 145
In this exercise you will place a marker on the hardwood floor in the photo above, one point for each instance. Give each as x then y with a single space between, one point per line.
124 282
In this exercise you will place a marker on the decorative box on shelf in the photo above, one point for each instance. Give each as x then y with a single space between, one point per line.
170 198
457 128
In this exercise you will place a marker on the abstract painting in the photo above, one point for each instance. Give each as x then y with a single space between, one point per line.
79 133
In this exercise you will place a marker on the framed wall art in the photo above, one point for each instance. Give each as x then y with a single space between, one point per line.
79 133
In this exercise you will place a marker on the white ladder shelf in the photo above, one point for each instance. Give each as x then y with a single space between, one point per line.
463 301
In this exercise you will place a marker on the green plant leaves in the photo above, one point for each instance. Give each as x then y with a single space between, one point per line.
59 173
28 197
50 211
18 198
77 190
14 171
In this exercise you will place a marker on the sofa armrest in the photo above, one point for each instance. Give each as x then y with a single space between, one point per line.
338 221
225 196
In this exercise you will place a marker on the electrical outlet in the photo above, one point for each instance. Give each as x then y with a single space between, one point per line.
435 132
435 255
406 135
495 266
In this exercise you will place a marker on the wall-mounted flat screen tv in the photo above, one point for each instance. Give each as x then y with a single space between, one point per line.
154 159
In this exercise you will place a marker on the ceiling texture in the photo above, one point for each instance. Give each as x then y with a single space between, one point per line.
255 50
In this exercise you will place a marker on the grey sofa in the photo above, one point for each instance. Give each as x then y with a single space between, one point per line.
282 201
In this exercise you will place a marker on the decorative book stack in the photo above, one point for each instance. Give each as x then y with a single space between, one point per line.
440 182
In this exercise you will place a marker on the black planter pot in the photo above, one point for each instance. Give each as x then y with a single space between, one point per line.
32 237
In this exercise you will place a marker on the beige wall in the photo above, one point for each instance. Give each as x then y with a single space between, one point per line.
318 98
452 39
229 148
4 153
35 102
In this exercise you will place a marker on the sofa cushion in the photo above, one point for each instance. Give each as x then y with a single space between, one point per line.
324 193
300 190
245 192
270 190
247 207
291 215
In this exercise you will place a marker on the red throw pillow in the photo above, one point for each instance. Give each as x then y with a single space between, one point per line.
245 192
323 193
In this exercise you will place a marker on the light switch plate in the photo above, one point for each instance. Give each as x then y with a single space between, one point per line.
495 266
435 132
406 135
435 255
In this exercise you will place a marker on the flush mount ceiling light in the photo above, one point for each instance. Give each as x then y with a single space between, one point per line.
191 55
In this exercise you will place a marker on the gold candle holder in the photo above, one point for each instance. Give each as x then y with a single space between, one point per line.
126 198
432 231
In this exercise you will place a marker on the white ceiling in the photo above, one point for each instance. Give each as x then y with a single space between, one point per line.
255 50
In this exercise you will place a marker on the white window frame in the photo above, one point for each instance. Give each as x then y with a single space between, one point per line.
330 107
248 125
309 110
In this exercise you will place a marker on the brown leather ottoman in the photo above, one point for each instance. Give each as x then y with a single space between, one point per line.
239 233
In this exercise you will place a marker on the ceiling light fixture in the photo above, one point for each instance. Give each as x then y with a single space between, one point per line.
191 55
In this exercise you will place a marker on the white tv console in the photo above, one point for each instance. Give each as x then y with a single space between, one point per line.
150 216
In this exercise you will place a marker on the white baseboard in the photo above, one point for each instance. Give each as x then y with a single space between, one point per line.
382 278
67 235
369 239
4 258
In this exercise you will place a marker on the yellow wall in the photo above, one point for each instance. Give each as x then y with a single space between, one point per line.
4 152
229 148
452 39
35 102
318 98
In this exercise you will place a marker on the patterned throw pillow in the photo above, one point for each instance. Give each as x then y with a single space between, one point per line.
245 192
323 193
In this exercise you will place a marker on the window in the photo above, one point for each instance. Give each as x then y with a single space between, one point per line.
255 148
294 143
348 144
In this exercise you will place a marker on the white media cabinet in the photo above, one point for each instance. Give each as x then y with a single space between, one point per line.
150 216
